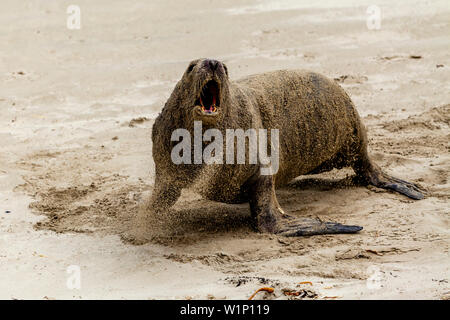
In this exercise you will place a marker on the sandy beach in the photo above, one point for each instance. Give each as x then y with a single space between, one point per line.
77 108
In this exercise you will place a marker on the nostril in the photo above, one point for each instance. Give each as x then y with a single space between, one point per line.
213 64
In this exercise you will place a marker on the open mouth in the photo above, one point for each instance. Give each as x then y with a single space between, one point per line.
209 99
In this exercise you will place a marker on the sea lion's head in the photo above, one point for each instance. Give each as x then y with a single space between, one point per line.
208 87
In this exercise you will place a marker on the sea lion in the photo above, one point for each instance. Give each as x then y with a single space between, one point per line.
319 129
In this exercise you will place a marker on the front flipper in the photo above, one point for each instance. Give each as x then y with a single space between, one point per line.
296 227
270 218
148 218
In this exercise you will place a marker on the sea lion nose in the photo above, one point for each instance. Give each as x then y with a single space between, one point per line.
213 64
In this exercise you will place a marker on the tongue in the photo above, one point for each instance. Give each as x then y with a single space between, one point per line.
212 107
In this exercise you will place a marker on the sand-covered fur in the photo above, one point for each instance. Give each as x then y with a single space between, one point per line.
319 128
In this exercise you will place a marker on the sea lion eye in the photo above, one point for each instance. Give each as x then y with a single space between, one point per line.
191 66
225 68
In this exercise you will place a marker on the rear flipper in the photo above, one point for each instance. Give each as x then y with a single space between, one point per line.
309 227
379 179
